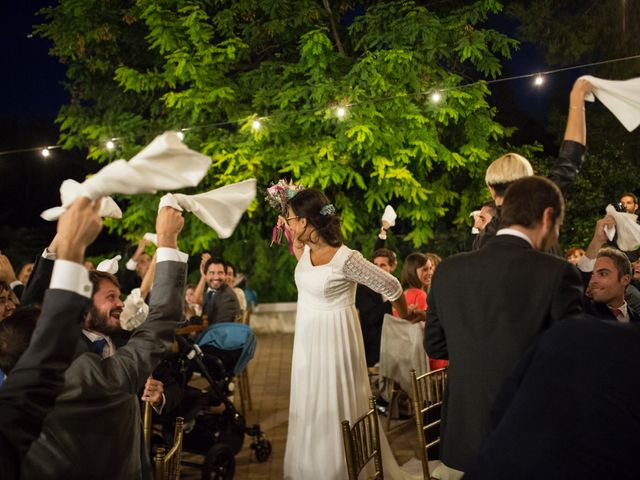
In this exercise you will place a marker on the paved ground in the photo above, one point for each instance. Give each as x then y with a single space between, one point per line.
269 374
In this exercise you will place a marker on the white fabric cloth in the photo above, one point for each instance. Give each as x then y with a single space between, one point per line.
69 192
152 237
221 208
135 311
110 265
165 164
389 215
621 97
401 349
329 379
627 228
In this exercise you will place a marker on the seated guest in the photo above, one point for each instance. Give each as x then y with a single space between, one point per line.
573 255
231 281
192 309
7 304
433 260
35 368
570 409
8 275
220 303
136 267
607 274
94 428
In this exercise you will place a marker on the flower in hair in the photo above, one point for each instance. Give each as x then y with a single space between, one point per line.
328 209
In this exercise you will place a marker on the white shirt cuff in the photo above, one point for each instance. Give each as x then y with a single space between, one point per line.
15 283
161 407
48 255
131 264
164 254
71 276
586 264
382 236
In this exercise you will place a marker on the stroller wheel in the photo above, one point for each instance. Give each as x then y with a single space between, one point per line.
219 463
263 449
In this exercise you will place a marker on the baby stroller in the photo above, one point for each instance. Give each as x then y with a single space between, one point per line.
222 351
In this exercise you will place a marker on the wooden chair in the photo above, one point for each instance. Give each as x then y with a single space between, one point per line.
146 425
244 389
362 443
427 393
167 465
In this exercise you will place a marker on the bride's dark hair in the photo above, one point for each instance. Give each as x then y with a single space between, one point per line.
307 204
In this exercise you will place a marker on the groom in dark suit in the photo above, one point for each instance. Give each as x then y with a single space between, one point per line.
487 307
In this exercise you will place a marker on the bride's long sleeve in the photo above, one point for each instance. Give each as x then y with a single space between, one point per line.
362 271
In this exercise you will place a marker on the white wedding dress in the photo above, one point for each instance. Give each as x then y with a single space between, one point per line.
329 379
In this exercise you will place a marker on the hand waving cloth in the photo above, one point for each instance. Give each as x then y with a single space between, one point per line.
165 164
621 97
221 208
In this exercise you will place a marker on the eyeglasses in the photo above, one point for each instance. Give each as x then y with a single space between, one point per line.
291 218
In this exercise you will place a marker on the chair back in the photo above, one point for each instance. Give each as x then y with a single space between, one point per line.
427 392
167 464
362 443
146 425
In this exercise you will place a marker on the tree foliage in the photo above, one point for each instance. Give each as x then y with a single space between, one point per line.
139 67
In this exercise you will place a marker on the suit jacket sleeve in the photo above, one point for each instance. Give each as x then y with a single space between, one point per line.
38 281
30 390
435 341
127 370
569 297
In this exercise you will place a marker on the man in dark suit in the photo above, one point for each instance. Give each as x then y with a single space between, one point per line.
94 428
35 370
571 408
220 302
488 306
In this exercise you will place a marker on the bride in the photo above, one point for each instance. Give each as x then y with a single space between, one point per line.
329 380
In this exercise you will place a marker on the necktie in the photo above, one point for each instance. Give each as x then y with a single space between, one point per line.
207 300
99 345
616 312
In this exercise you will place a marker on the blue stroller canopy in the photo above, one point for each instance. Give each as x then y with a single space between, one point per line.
231 336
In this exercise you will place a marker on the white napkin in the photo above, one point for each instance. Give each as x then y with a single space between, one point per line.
389 215
165 164
68 194
135 311
109 265
221 208
152 237
627 228
621 97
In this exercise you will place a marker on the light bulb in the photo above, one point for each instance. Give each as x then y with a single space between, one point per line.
45 152
436 97
539 80
180 135
341 112
256 125
110 145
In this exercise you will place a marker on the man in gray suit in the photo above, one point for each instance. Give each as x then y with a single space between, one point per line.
35 369
94 429
487 307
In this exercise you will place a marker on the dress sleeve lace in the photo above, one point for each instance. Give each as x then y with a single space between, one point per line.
360 270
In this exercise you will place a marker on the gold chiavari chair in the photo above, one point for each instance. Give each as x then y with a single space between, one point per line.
427 395
147 424
167 464
362 443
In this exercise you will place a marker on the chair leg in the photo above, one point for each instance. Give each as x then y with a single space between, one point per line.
393 401
247 388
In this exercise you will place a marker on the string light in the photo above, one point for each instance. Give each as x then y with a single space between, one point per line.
340 112
110 145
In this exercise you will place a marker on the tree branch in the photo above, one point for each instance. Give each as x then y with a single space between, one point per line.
334 27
